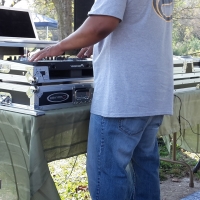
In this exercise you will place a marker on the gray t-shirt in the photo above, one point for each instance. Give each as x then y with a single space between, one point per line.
133 66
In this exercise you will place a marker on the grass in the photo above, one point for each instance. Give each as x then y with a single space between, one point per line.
171 170
70 175
70 178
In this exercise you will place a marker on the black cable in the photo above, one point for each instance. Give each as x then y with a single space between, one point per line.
179 117
72 168
190 126
179 120
67 177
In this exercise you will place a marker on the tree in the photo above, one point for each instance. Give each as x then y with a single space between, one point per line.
12 3
186 21
65 17
61 10
186 27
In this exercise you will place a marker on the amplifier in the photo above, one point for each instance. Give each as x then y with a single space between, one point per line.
46 71
33 99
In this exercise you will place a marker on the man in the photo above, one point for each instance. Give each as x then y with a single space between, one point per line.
133 89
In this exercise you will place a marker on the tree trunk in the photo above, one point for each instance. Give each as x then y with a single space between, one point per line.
65 17
2 2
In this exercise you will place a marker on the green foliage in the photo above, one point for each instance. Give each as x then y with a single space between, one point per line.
70 178
186 47
171 170
186 27
45 8
163 150
71 181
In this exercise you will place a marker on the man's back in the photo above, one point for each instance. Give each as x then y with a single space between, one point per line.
133 65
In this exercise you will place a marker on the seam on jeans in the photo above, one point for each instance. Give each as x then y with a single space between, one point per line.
134 182
99 158
128 132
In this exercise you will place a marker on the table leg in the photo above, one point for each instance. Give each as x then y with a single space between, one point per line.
191 184
174 147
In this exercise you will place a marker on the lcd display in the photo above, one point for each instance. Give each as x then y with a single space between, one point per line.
15 24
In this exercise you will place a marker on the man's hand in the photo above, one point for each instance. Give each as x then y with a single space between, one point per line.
94 29
50 51
85 52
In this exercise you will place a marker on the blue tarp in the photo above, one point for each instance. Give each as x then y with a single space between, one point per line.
42 21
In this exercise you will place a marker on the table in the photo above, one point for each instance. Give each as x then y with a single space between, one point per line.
181 127
28 142
185 119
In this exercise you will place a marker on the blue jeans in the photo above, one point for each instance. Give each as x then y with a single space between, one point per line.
123 159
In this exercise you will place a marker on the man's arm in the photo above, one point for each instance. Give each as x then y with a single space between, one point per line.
94 29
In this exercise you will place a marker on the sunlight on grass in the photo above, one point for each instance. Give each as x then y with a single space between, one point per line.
172 170
70 175
70 178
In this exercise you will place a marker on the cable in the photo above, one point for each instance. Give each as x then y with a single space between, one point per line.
72 168
190 126
67 177
179 117
179 120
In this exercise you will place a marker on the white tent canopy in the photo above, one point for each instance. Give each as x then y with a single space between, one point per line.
41 22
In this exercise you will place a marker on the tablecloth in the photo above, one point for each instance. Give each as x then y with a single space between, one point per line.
27 143
184 121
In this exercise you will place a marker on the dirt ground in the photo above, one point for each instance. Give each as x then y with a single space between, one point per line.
176 189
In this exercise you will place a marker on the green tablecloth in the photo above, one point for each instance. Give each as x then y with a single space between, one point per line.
27 143
185 120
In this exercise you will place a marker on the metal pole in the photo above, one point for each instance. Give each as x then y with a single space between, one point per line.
47 33
174 147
